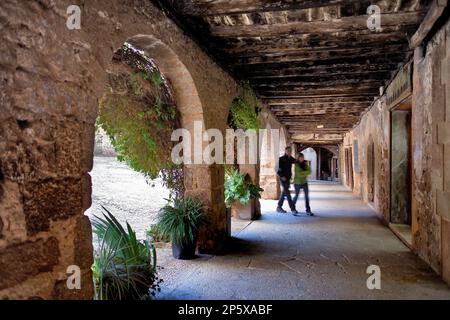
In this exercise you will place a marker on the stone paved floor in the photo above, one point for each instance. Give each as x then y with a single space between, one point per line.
126 194
321 257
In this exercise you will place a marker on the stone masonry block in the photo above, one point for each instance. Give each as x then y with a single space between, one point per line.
444 133
437 172
83 243
443 204
51 200
19 262
446 169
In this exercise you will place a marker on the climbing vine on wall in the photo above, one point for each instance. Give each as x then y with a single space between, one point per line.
138 113
245 109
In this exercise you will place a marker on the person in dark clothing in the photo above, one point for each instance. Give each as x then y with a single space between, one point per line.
285 174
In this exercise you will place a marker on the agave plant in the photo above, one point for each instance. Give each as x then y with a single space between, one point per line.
124 268
181 219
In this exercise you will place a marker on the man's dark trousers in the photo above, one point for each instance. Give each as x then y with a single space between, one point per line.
285 193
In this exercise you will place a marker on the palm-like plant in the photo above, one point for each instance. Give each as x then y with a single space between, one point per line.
124 267
181 220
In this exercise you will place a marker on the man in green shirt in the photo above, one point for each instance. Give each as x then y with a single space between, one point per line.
302 171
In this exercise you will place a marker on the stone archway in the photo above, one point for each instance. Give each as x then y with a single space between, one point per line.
311 156
201 181
52 78
186 94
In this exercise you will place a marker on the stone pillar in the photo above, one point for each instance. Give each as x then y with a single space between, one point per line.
443 149
272 147
319 163
47 117
252 210
205 183
269 181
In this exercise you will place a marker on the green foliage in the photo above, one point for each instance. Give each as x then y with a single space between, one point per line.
136 85
157 79
138 113
245 109
238 187
124 268
173 179
181 219
155 234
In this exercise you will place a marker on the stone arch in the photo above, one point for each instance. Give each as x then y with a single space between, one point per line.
310 155
50 104
185 90
331 163
202 181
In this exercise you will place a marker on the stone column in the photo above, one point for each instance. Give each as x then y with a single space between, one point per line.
47 117
252 210
269 181
205 183
272 147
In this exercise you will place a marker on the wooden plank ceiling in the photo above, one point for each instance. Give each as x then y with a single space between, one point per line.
314 62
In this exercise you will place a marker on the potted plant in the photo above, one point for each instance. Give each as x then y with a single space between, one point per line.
180 221
239 192
124 267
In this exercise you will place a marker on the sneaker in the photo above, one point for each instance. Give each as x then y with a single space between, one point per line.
309 213
281 210
295 212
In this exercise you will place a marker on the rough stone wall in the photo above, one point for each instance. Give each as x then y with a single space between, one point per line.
50 80
373 128
430 153
431 156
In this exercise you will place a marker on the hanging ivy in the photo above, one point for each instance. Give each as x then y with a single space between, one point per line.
138 113
245 109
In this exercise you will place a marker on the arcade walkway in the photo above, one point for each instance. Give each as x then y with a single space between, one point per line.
321 257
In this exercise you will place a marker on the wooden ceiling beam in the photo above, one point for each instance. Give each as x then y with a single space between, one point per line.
368 62
321 55
384 74
334 87
317 100
344 24
317 40
324 79
271 94
234 7
295 131
277 50
435 12
301 110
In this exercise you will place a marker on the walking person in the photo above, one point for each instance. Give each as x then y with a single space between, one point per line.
285 174
302 171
